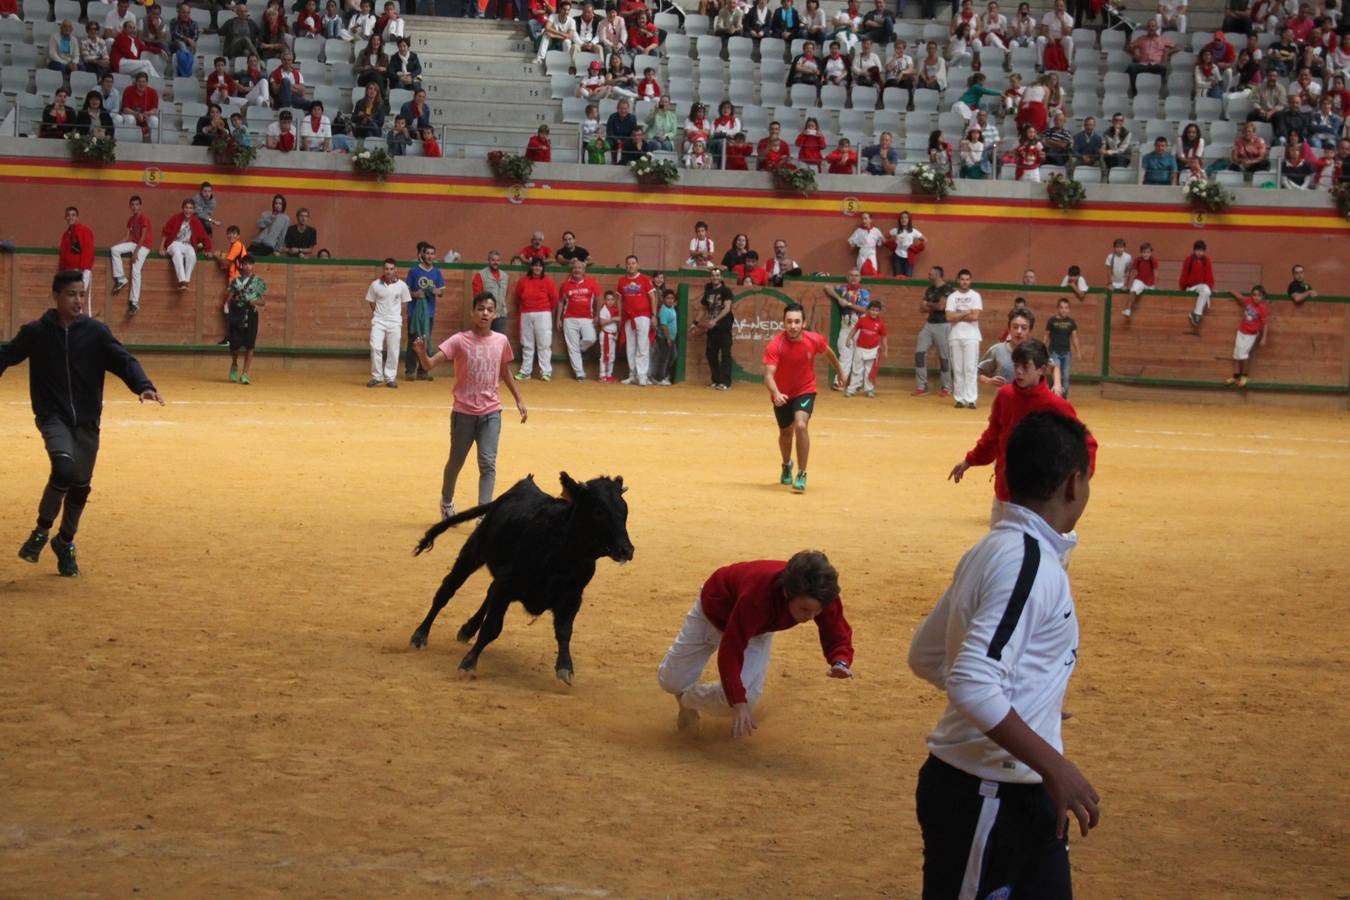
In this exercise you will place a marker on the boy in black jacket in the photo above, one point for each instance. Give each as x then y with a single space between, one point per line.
67 354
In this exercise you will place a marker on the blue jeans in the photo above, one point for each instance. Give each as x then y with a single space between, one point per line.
1063 360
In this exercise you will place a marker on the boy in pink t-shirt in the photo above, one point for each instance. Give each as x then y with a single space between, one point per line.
480 356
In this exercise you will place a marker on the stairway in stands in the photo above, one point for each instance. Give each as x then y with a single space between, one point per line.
485 88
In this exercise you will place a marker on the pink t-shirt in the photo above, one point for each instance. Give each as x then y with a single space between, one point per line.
478 364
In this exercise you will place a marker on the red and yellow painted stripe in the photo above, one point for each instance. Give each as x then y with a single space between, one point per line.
471 190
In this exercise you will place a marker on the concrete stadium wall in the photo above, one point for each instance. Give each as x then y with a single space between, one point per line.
317 309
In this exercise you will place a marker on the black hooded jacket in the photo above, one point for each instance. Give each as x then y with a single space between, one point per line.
66 366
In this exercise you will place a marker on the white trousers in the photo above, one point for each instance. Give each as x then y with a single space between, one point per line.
384 339
860 374
844 349
1179 21
134 67
1202 292
536 339
184 260
579 335
569 47
1066 42
138 256
684 662
965 356
638 334
609 341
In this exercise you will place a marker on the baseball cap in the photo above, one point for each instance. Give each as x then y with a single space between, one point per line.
595 65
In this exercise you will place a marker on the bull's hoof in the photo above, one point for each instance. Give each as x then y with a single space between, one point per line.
419 640
466 633
565 676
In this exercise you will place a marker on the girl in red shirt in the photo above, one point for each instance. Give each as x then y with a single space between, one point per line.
811 145
536 296
1029 155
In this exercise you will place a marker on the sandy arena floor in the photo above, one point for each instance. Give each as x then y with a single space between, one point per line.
224 703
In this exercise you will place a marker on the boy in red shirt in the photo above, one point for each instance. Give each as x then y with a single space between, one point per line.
869 332
790 376
77 249
843 159
735 616
649 88
738 151
1255 312
1029 393
431 148
539 148
1145 277
137 245
1197 274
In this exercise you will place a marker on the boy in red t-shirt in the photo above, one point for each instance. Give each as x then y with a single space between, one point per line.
869 333
1197 275
843 159
1145 276
790 376
738 151
1255 312
540 147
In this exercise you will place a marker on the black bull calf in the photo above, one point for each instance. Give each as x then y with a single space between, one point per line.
541 550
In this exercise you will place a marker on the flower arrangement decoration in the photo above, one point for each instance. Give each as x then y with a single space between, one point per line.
227 151
1208 195
928 179
510 167
375 162
788 176
654 171
91 148
1065 192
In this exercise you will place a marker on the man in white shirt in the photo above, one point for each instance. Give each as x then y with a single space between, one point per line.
1002 643
1056 25
963 340
388 298
117 18
560 27
866 238
316 131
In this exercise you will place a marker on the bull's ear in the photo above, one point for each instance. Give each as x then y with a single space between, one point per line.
618 480
570 489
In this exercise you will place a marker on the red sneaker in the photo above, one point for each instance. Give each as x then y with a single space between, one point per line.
946 393
919 392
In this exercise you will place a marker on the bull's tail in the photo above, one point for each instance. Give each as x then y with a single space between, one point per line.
440 527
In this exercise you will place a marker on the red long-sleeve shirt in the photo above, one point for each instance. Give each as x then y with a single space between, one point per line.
1197 270
743 600
1011 405
68 257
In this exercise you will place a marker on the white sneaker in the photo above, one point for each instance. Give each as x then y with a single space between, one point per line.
628 380
1127 313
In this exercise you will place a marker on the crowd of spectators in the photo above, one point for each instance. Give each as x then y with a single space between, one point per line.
1291 75
999 111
